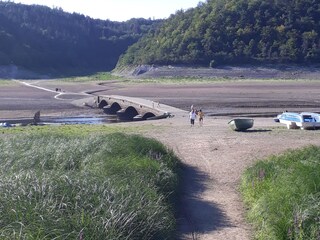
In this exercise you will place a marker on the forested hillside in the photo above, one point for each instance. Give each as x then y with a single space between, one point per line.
43 39
232 32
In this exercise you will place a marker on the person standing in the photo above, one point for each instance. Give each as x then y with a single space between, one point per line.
200 115
193 117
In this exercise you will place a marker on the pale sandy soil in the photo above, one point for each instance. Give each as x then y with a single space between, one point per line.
214 156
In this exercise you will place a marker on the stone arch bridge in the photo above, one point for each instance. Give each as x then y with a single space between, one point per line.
132 109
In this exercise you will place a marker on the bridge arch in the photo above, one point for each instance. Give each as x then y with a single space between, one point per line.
131 111
112 109
148 115
103 103
127 114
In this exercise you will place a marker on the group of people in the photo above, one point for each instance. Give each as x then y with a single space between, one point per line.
194 113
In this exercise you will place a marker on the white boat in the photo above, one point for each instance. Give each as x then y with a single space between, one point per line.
304 120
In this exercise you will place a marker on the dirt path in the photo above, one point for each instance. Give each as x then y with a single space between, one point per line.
215 157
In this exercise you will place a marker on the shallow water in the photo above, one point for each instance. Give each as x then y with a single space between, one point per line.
79 120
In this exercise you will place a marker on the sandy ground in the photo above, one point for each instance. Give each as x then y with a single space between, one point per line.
214 156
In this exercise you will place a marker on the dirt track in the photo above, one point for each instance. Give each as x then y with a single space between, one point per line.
214 156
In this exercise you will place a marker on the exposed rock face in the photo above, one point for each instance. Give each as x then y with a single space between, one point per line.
237 72
141 70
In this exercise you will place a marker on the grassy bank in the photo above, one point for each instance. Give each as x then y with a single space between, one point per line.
283 195
75 186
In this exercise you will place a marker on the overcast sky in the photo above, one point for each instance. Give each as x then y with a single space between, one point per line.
119 10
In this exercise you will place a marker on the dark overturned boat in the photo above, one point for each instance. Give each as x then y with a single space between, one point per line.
241 124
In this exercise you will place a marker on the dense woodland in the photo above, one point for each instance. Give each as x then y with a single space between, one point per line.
232 32
43 39
216 32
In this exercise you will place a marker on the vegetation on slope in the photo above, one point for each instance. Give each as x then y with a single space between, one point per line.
234 31
67 186
283 195
44 39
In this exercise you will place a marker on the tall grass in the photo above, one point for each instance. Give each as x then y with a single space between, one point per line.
283 195
108 186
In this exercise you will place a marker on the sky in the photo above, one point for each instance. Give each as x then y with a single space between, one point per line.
118 10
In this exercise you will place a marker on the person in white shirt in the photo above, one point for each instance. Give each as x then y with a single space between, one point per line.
192 116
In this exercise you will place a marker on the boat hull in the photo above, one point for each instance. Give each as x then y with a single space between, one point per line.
241 124
309 125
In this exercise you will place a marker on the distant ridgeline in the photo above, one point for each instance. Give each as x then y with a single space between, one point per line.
232 32
39 38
